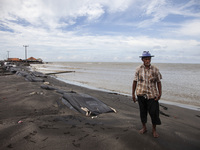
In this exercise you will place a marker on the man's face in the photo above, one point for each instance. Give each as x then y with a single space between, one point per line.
146 61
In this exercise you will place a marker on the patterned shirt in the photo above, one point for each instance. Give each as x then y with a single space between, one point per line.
147 81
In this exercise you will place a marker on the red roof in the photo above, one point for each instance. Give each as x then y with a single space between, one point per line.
14 59
31 58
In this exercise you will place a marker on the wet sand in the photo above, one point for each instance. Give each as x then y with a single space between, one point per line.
32 118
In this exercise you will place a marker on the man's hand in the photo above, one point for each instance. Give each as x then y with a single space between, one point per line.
133 91
158 98
159 85
134 98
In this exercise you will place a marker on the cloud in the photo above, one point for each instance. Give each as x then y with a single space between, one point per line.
157 10
99 30
50 13
190 28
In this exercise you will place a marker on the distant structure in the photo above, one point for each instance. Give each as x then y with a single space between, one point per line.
34 60
8 53
25 51
30 60
14 59
18 61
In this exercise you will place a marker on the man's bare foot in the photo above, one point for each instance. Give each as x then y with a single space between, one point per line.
155 134
142 131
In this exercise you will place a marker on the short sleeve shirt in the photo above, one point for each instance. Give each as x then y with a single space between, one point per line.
147 81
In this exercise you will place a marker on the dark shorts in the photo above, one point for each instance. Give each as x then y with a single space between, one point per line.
149 106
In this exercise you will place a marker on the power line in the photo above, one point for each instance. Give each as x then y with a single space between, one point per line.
25 51
8 53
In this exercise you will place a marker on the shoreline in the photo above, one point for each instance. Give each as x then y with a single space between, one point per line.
35 118
187 101
187 106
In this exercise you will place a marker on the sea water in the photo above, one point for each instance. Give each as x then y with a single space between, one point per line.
180 82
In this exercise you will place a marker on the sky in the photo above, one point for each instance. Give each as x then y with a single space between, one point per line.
101 30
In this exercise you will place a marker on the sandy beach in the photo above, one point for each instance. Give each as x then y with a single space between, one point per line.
32 118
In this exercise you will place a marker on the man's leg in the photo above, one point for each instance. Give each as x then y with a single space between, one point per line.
153 107
144 129
155 134
143 113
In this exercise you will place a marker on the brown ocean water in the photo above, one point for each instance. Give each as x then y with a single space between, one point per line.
180 81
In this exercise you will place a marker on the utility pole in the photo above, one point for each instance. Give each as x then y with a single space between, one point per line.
8 53
25 51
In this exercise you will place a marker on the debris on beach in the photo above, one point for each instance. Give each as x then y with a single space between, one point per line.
36 93
46 83
82 103
19 122
86 104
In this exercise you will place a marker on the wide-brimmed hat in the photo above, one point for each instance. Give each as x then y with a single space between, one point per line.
146 54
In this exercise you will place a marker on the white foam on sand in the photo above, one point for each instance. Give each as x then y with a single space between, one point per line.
181 105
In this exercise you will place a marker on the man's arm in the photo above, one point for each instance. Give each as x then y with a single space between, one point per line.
133 90
159 86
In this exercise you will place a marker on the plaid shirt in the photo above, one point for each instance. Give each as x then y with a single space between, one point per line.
147 81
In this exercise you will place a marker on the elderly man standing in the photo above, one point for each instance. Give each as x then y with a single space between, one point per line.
148 88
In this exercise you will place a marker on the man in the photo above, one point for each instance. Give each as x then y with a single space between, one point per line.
148 89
